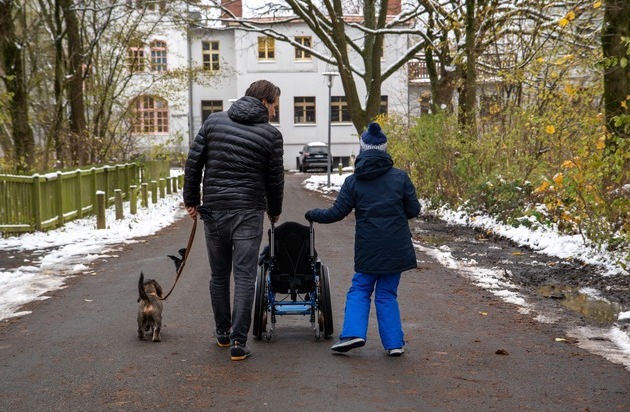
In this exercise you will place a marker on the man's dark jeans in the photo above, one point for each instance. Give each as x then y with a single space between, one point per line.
233 239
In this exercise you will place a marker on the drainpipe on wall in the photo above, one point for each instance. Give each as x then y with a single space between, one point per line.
191 135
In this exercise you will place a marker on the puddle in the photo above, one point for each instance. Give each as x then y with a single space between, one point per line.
588 305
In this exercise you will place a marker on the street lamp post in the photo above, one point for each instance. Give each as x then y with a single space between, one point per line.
329 76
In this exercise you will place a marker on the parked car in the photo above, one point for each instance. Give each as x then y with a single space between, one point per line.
313 156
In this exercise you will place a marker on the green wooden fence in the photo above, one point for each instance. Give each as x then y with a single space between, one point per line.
47 201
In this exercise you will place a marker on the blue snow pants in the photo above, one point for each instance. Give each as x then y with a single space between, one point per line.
358 302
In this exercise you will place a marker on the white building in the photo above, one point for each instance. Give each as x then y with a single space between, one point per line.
236 58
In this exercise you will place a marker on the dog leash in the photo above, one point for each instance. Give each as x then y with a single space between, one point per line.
180 269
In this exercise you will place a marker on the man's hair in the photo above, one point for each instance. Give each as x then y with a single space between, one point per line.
263 89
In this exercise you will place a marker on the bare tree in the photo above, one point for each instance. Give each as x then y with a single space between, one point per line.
112 77
472 40
75 87
67 79
14 77
52 16
438 28
342 34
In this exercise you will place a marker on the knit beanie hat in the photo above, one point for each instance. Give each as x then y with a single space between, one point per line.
373 138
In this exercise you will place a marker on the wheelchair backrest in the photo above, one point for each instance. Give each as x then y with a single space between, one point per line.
292 270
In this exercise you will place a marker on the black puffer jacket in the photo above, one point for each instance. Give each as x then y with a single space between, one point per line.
240 156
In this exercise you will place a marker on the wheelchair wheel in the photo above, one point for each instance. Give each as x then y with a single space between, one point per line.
325 307
260 305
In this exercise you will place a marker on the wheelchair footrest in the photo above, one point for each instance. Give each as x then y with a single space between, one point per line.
293 309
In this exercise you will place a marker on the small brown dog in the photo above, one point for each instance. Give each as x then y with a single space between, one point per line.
150 308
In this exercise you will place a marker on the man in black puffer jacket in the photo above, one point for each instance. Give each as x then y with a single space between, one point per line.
240 156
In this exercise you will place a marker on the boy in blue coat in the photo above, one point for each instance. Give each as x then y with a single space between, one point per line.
383 199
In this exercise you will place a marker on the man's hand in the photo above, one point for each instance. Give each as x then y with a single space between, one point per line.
273 219
192 211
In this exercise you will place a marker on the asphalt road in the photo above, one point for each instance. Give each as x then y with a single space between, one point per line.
78 350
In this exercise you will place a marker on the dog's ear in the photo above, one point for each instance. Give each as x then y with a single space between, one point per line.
142 294
158 289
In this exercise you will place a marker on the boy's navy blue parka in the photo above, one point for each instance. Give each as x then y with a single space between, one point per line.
383 198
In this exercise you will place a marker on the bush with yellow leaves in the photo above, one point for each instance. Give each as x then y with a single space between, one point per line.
545 159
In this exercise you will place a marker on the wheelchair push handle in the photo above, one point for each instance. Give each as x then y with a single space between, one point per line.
272 243
311 234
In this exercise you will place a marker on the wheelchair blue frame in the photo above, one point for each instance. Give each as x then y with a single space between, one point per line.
316 302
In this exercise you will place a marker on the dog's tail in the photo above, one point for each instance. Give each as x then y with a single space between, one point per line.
143 294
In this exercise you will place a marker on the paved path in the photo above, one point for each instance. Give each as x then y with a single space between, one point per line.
78 351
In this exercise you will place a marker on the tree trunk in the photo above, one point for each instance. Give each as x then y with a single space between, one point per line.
442 87
78 138
329 26
15 81
468 96
371 55
372 60
433 79
60 64
616 26
338 35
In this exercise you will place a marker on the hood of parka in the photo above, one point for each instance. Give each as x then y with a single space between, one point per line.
371 164
248 109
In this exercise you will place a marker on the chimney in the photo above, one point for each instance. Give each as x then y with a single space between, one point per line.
236 7
394 7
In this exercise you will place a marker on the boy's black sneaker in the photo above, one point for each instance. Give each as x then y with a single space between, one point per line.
346 344
223 339
239 351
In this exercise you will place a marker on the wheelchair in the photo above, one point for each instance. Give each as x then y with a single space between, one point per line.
292 281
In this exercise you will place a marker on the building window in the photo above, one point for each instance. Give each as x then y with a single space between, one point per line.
303 54
150 115
210 106
266 48
147 4
210 55
158 56
135 59
339 110
304 109
383 109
